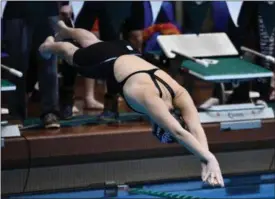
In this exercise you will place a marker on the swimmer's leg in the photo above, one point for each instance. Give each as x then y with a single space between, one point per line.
65 50
81 36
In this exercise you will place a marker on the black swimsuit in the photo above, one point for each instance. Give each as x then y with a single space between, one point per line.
97 61
154 78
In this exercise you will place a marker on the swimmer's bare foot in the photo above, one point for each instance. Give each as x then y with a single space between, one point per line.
92 104
61 31
44 48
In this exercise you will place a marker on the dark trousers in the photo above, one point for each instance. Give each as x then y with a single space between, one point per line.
31 76
21 36
111 16
69 74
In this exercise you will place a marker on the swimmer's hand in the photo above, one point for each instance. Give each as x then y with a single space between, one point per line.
211 173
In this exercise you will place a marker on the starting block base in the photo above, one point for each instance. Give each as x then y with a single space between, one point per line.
240 125
10 131
236 113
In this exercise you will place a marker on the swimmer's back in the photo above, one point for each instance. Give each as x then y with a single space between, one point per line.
129 64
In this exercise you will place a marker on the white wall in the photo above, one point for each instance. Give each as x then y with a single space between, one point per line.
77 5
234 9
3 4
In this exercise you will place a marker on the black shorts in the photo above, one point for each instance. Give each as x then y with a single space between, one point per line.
97 61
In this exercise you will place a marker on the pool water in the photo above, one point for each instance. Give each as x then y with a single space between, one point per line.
246 186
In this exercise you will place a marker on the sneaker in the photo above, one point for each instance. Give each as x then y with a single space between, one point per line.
66 111
108 116
110 112
66 96
50 120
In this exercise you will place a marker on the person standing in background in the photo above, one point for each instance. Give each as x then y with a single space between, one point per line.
257 31
69 77
67 90
147 21
90 101
110 16
26 25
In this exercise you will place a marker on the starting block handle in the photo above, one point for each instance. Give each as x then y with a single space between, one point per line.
184 55
266 57
230 108
198 61
12 71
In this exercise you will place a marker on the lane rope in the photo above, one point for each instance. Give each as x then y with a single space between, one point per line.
161 194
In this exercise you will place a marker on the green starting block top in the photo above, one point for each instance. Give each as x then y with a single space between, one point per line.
227 69
7 86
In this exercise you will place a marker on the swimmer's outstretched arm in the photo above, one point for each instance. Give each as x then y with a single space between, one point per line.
157 110
189 113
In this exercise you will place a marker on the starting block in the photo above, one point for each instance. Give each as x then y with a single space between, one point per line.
203 45
4 111
10 131
223 66
7 86
6 129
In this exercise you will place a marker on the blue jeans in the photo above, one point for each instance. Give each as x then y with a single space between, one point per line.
20 36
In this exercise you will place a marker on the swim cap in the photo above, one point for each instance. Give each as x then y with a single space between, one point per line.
165 136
